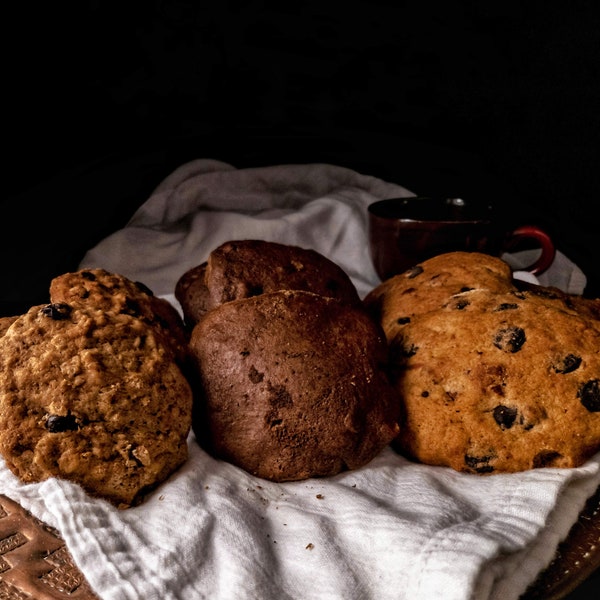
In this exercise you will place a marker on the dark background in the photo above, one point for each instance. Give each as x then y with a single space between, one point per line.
494 100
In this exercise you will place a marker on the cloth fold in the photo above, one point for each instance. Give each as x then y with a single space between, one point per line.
391 529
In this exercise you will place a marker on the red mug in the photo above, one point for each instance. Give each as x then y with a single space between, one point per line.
406 231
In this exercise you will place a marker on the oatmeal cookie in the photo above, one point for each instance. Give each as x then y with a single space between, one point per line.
113 292
94 397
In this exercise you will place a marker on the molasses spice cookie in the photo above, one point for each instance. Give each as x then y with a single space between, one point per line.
294 385
93 397
244 268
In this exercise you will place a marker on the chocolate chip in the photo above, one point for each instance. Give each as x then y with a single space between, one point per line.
401 349
510 339
59 423
505 416
461 304
466 289
279 397
403 320
479 464
567 364
589 394
255 376
57 311
88 275
545 458
507 306
412 273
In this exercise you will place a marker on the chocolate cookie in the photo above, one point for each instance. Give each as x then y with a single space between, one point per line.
94 397
192 293
246 268
294 385
115 293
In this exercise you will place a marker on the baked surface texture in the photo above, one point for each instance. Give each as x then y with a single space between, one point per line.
494 376
113 292
294 385
92 396
5 323
246 268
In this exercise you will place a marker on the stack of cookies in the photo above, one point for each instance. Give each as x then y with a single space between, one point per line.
291 370
93 387
494 375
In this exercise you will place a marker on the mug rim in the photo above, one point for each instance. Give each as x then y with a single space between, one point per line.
478 214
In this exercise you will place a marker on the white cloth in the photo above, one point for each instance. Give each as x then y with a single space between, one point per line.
390 530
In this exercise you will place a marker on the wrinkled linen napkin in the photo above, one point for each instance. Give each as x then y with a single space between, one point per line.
392 529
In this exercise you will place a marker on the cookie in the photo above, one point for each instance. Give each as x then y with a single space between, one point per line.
293 385
113 292
94 397
430 284
494 377
5 323
245 268
192 294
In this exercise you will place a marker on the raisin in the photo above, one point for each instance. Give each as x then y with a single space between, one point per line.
132 307
545 458
567 364
58 423
466 289
505 416
510 339
57 311
333 286
479 464
461 304
143 288
255 290
403 320
589 394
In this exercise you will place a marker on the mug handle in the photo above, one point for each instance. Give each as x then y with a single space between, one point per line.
548 249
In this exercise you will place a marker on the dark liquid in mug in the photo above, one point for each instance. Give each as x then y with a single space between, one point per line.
431 209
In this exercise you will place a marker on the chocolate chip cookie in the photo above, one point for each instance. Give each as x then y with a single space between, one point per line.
494 378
